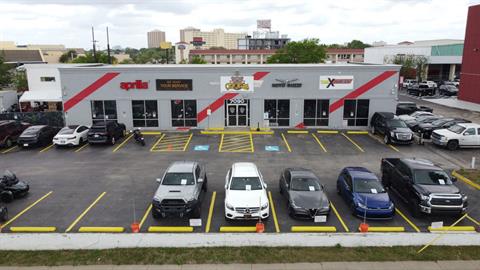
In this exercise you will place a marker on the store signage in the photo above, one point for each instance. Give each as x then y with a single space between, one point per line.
236 83
174 85
286 84
333 82
137 84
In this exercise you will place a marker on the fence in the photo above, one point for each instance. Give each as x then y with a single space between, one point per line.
36 118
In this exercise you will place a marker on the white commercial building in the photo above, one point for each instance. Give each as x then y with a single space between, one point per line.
155 37
215 38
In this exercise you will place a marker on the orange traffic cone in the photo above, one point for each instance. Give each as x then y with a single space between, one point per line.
260 227
363 227
135 227
169 147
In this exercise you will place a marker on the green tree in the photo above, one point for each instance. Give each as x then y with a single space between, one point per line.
127 61
296 52
197 60
20 81
88 58
5 74
357 44
68 56
413 66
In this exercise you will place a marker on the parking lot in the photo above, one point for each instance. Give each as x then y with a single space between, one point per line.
107 188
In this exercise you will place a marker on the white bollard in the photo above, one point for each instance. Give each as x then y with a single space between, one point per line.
473 162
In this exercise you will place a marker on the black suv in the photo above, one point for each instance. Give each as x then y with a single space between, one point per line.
9 131
426 129
37 136
108 132
392 129
406 107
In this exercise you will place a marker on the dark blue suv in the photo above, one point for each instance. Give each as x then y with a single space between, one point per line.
364 193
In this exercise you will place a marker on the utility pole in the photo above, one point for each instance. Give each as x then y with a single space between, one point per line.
108 48
94 50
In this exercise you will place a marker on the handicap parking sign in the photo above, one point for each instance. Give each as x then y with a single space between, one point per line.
201 147
272 148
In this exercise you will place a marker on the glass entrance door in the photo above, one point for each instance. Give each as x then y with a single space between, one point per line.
232 115
237 115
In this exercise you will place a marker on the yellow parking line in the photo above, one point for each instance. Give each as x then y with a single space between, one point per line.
155 144
339 217
46 148
327 131
380 141
123 143
313 229
473 220
25 210
357 132
385 229
9 149
238 229
251 143
452 229
151 133
465 180
149 208
32 229
297 131
354 143
167 229
221 143
274 214
286 143
80 149
210 212
407 220
319 142
85 212
102 229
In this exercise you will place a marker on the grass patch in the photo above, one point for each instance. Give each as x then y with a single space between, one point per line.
225 255
471 174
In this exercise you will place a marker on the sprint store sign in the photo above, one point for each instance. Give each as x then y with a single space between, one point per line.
333 82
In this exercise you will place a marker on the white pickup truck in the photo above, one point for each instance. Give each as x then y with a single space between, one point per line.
465 135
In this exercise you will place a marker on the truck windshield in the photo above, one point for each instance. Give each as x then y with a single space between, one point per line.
394 123
367 186
429 177
245 183
177 179
456 129
305 184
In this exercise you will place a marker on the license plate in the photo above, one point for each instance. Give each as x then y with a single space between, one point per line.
96 136
62 142
25 144
247 216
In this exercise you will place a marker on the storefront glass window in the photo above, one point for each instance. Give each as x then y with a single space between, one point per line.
356 112
278 111
103 110
315 112
144 113
184 113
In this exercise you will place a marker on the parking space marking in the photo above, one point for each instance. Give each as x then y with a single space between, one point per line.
452 229
353 142
407 220
465 180
286 143
297 131
81 148
238 229
327 131
172 143
25 210
385 229
85 212
170 229
237 143
123 143
319 143
380 141
313 229
473 220
33 229
210 212
46 148
339 217
274 214
145 216
10 149
155 144
101 229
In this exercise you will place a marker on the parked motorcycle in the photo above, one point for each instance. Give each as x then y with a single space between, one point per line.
138 136
11 187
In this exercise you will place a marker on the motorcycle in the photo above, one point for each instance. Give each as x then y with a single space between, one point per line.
138 136
11 187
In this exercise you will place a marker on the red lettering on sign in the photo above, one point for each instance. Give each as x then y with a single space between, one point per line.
137 84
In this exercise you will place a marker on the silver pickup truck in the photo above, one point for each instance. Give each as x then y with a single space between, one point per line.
181 190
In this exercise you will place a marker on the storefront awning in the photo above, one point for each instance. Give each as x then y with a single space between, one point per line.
41 96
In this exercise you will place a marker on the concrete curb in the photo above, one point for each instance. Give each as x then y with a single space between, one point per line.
465 180
56 241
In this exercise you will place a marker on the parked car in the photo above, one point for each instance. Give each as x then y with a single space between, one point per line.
71 136
245 193
448 90
392 129
414 115
37 136
364 193
108 132
304 192
11 187
10 130
425 187
431 84
465 135
413 124
408 82
181 191
407 107
421 90
426 129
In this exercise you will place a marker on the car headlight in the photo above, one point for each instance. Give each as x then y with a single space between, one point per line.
424 198
265 206
443 138
294 206
229 206
391 206
464 197
361 205
392 134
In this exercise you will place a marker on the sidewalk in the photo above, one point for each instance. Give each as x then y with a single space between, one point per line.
401 265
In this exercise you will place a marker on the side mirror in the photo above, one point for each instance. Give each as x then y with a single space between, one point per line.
265 185
287 185
159 180
200 180
454 179
225 186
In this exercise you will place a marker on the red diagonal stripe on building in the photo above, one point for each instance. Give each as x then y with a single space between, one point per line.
217 104
361 90
89 90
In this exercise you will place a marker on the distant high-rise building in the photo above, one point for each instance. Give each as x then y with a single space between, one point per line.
263 38
155 37
215 38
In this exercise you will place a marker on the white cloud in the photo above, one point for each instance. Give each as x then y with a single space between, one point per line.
332 21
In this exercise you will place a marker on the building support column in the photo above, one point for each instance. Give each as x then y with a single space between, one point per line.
246 59
261 58
451 74
231 60
215 58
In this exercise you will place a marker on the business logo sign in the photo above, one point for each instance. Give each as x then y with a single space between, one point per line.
236 83
174 85
335 82
137 84
287 83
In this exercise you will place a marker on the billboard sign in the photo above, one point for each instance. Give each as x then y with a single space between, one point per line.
334 82
264 24
236 83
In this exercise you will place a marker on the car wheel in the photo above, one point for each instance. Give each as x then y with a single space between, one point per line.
112 140
156 215
290 210
415 210
352 209
452 145
338 189
8 143
6 196
386 139
196 213
3 214
280 189
372 130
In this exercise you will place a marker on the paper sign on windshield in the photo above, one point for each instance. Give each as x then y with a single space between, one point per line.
248 187
374 191
320 219
311 188
183 182
441 181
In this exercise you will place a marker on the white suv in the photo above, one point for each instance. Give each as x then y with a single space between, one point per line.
459 135
245 193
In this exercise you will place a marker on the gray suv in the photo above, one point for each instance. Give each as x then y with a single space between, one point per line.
181 190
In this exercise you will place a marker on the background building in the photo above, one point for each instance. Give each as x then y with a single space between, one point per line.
232 56
263 38
444 56
470 76
345 55
155 37
216 38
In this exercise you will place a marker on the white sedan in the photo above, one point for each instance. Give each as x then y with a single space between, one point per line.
245 193
71 136
414 115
